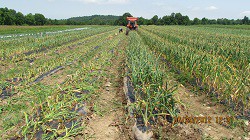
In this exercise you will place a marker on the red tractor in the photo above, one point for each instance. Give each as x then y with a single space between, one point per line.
132 24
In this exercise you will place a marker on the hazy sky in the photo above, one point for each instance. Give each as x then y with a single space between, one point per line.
61 9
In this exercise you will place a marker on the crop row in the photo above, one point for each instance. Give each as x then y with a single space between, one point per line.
27 73
242 30
211 72
234 48
10 30
42 62
18 46
59 111
152 98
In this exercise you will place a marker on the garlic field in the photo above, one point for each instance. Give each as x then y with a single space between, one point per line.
67 83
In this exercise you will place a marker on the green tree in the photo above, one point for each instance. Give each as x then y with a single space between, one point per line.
1 17
166 20
39 19
232 22
149 22
49 22
186 20
173 20
30 19
160 21
196 21
238 21
204 21
212 21
142 21
122 19
55 22
96 21
20 20
178 17
9 17
245 20
154 19
70 22
225 21
219 21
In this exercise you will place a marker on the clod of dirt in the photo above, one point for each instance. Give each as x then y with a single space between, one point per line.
107 89
139 135
246 123
108 84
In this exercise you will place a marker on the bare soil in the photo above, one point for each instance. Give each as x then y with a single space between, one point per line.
108 123
58 78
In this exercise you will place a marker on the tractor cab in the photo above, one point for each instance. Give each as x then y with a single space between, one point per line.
132 24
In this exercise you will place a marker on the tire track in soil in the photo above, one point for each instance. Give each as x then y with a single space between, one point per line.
110 125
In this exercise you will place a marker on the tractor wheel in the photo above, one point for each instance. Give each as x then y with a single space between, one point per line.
127 31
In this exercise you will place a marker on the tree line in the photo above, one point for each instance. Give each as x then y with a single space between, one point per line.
11 17
179 19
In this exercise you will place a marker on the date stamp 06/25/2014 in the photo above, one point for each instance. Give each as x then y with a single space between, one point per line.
203 119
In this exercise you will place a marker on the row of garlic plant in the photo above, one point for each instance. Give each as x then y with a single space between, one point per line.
235 48
211 72
17 46
242 30
59 105
23 59
44 63
152 97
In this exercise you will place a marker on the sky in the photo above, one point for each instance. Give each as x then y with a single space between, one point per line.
63 9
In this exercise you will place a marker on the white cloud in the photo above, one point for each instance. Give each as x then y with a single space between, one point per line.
245 13
211 8
104 1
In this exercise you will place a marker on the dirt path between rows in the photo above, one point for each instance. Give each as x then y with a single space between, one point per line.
103 125
108 120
